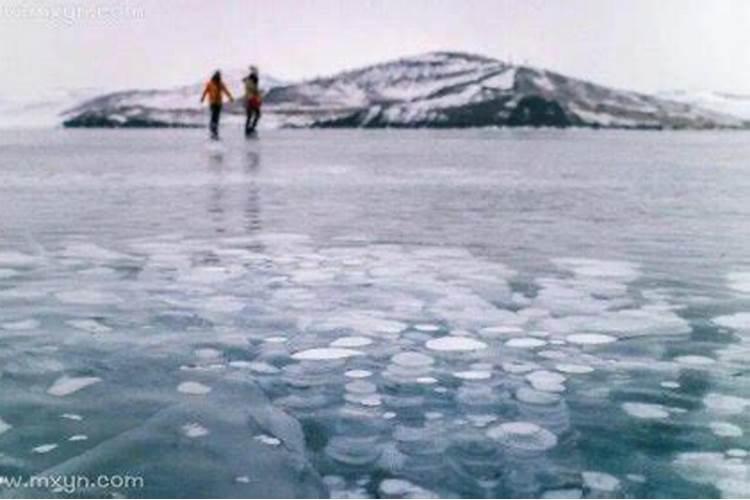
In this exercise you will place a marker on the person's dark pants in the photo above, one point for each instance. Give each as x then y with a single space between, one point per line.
215 115
251 120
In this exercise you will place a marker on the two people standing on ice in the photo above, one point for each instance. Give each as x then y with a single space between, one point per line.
215 91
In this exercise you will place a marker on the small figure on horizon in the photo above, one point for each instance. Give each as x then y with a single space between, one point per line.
215 90
252 101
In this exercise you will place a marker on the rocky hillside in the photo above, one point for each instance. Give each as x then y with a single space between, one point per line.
441 89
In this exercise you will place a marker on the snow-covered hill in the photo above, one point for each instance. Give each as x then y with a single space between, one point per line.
732 104
440 89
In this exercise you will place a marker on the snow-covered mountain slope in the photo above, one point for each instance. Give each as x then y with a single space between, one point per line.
731 104
440 89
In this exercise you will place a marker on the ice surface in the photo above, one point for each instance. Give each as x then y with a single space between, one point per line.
65 385
88 297
16 259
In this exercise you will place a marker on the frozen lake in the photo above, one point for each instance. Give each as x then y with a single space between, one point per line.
377 314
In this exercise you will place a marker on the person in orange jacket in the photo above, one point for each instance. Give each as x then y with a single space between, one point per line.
215 91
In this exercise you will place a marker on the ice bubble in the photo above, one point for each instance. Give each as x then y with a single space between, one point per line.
518 367
401 488
725 429
207 353
412 360
88 297
739 281
45 448
525 343
242 479
727 474
600 481
645 411
389 415
625 323
89 325
473 375
455 344
71 416
90 251
738 321
267 440
725 404
494 332
590 338
535 397
325 354
351 342
425 327
667 384
4 426
427 381
275 340
262 367
552 354
547 381
595 268
27 324
737 453
694 360
194 430
65 385
573 368
16 259
360 387
78 437
523 435
636 478
193 388
358 374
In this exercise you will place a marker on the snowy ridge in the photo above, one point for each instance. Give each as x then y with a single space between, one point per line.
732 104
439 89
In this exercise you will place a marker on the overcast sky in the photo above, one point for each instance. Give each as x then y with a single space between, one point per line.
644 45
